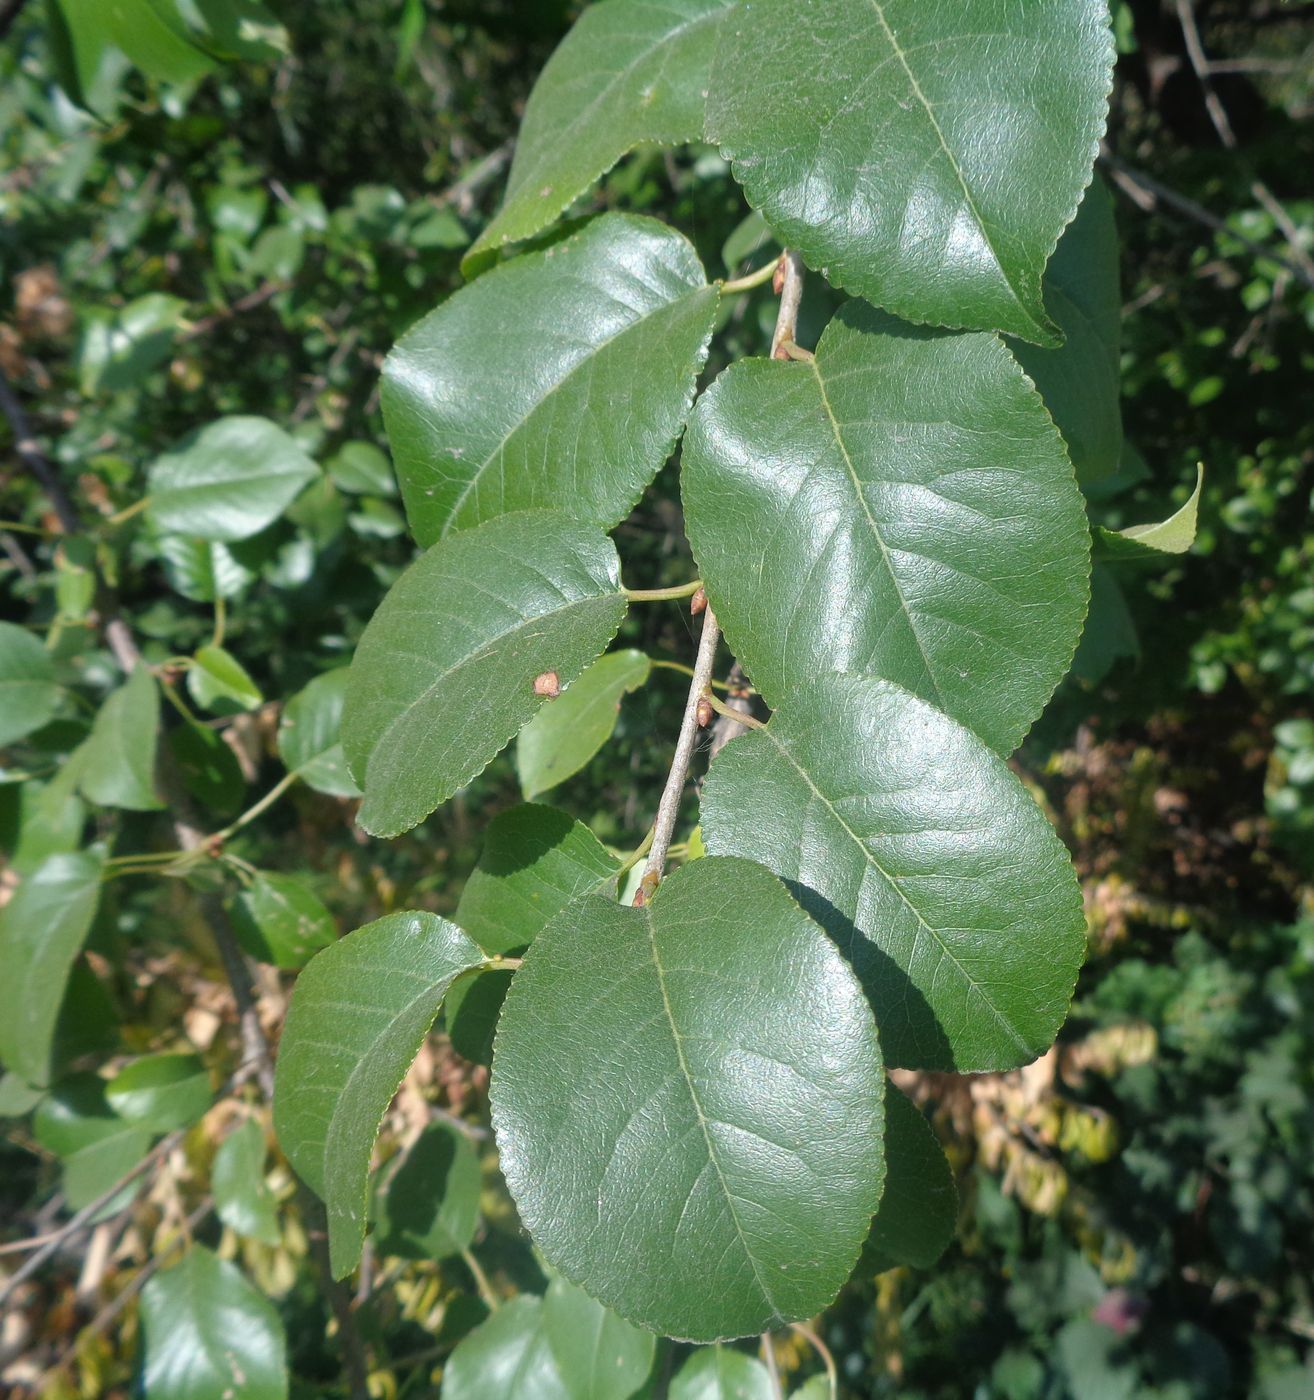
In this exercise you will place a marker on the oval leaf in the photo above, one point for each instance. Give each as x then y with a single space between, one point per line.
918 1213
228 480
428 1207
687 1100
42 930
445 673
901 506
161 1092
28 691
721 1373
561 738
207 1332
278 920
358 1016
241 1194
926 157
219 682
506 1358
535 860
309 736
630 71
925 859
600 1356
505 397
118 760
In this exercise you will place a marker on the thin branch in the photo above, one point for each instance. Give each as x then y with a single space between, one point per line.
791 298
1152 196
1223 125
823 1351
267 291
668 809
746 283
36 461
773 1370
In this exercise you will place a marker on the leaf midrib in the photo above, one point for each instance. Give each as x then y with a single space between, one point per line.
703 1122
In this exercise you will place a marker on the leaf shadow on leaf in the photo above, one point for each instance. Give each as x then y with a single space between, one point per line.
416 1192
883 980
506 860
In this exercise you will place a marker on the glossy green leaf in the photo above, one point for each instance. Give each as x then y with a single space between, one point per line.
121 348
1081 380
918 1213
721 1373
87 64
209 768
927 157
687 1099
219 682
118 760
95 1146
600 1356
42 929
362 469
153 36
279 920
505 398
203 570
630 71
1141 543
445 673
207 1333
161 1092
28 692
234 29
535 860
471 1013
564 735
428 1204
228 480
309 740
924 858
506 1358
359 1013
901 506
242 1196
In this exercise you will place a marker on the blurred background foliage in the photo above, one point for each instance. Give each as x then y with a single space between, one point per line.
1138 1207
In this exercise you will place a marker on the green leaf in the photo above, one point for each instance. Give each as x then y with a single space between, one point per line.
471 1012
203 570
1141 543
153 36
86 63
721 1373
428 1207
505 398
506 1358
922 855
359 1013
51 818
16 1097
630 71
687 1099
535 860
278 920
445 673
308 735
209 768
362 469
95 1145
206 1333
600 1356
1110 634
235 29
1081 381
814 1388
42 929
564 735
228 480
902 506
219 682
918 1213
118 760
119 349
927 157
28 692
161 1092
241 1194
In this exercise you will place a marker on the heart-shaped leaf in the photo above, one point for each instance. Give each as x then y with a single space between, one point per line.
464 649
505 398
359 1013
687 1100
630 71
922 855
926 157
900 506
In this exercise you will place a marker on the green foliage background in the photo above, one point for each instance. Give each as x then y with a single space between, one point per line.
1138 1210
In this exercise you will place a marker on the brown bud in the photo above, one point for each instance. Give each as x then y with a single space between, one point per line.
698 603
548 684
640 897
778 281
704 712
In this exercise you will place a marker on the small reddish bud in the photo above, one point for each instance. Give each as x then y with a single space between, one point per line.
640 897
548 684
704 712
778 281
698 603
